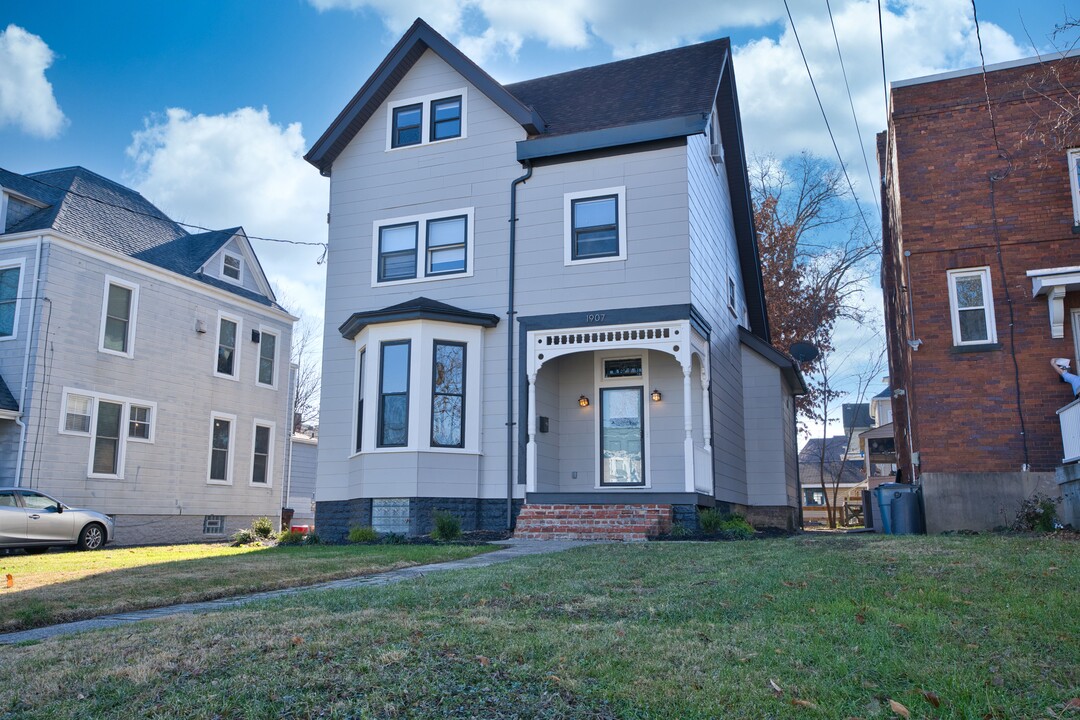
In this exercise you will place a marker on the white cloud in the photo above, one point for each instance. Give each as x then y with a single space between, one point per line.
220 171
26 97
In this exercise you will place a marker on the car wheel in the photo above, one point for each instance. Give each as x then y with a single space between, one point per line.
92 537
36 550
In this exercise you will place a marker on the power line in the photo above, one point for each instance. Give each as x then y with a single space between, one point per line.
828 127
884 80
851 102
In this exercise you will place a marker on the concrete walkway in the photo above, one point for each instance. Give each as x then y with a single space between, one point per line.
512 549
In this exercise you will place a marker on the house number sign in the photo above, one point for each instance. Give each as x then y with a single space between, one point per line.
595 317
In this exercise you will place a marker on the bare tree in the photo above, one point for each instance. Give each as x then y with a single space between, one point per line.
306 354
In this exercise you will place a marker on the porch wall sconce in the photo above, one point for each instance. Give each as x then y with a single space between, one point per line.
583 401
656 396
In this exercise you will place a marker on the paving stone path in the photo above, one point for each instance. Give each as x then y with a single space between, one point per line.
511 549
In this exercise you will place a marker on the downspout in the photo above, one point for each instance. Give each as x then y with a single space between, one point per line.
510 349
30 325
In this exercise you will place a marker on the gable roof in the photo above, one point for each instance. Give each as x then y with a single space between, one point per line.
418 308
87 206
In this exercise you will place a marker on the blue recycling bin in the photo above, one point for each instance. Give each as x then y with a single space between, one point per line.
899 508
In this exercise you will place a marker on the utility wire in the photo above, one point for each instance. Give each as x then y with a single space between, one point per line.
854 117
884 81
828 127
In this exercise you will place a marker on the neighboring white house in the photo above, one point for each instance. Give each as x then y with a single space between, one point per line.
546 297
144 371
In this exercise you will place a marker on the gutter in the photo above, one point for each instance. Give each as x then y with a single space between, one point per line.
510 348
30 325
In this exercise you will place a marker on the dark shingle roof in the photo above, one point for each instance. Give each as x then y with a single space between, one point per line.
418 308
834 449
7 400
669 84
857 415
87 206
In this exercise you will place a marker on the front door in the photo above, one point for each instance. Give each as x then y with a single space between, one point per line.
622 436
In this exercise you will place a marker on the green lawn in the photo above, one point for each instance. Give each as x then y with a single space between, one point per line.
808 627
64 586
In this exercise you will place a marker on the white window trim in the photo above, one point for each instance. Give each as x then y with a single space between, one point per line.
988 308
133 314
568 225
222 315
602 382
269 453
1073 158
421 247
424 101
422 334
125 418
226 278
232 449
7 265
264 330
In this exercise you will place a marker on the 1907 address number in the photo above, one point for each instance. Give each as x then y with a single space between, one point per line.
595 317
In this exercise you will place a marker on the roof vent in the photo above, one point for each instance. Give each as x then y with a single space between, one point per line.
716 152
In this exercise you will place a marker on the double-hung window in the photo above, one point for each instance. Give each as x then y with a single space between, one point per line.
971 303
139 422
595 226
1073 157
446 118
427 119
118 317
448 395
423 247
267 356
106 459
78 413
261 463
9 299
227 361
221 444
360 361
394 394
232 267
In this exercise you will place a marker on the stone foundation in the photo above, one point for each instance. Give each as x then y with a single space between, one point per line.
334 519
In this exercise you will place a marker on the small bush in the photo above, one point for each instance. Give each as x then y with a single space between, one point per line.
447 526
393 539
290 537
1037 513
731 525
243 537
709 520
312 539
679 530
262 527
362 534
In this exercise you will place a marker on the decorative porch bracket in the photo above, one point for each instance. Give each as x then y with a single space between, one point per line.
1054 283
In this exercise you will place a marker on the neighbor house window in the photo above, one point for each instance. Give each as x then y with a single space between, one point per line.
595 226
423 247
408 123
77 413
427 119
107 446
221 442
118 317
139 422
232 266
394 394
227 349
972 307
360 399
731 295
267 355
446 118
9 299
448 395
1074 181
260 459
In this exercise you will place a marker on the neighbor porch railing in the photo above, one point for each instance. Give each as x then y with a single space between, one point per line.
1069 417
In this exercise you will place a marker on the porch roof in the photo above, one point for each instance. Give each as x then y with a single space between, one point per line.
419 308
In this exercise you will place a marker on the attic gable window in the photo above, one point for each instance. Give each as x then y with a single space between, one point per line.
232 267
428 119
1074 182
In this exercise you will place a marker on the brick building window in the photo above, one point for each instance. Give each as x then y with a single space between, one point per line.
1074 182
971 304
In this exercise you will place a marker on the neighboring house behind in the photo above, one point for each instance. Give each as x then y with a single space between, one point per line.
981 268
546 295
300 482
144 369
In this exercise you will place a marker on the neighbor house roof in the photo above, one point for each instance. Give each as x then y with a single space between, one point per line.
857 415
87 206
834 449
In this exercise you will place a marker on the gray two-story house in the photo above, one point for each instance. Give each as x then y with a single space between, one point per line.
144 370
544 302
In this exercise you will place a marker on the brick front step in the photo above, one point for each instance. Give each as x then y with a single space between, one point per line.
593 522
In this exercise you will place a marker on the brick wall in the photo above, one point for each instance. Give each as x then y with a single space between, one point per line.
940 202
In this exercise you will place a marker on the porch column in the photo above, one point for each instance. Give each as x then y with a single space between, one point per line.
706 425
530 448
688 424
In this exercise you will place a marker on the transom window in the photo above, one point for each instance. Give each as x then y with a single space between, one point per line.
972 307
446 118
595 226
423 247
9 299
408 121
427 119
118 318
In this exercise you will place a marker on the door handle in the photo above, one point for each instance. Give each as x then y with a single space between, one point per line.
35 516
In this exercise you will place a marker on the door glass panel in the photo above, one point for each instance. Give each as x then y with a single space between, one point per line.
622 436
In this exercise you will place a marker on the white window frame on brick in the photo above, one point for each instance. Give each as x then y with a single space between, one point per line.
255 425
568 224
222 315
1073 157
425 103
263 332
231 449
240 259
133 313
983 273
7 265
126 403
421 222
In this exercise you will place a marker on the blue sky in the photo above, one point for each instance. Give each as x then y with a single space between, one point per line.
207 106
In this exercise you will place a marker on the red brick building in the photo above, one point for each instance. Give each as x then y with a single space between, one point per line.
981 275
